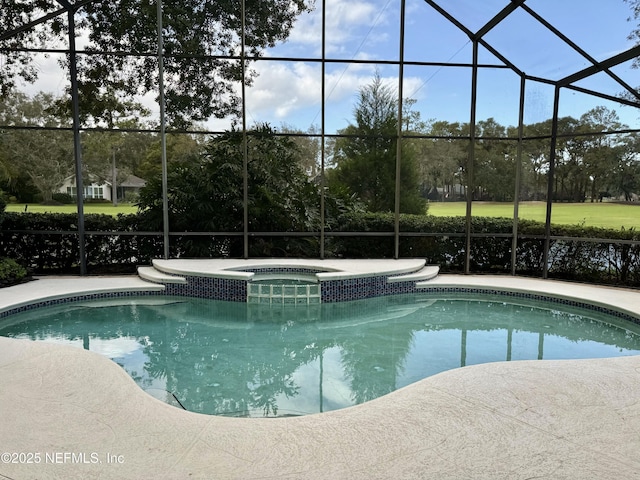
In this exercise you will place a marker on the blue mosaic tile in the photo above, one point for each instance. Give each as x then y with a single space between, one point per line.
536 297
210 287
287 270
76 298
363 287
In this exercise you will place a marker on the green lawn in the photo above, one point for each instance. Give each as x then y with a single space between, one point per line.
106 208
607 215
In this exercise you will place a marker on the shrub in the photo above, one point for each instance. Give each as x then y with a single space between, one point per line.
3 206
64 198
11 272
131 197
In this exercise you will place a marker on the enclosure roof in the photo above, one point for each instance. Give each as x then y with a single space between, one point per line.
584 46
511 33
557 42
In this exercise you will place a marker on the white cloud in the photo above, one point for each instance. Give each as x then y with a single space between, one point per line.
290 92
51 77
349 24
284 87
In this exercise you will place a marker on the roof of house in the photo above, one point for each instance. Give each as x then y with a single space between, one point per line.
133 181
130 181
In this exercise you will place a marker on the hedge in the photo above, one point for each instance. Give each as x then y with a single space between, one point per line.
48 243
575 255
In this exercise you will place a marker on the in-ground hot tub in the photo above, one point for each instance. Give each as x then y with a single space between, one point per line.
337 280
283 288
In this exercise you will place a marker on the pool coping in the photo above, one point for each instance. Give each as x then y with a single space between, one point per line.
560 419
42 291
328 269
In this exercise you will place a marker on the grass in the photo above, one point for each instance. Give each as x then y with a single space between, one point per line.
606 215
104 208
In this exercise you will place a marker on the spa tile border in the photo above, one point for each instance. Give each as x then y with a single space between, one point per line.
339 291
209 287
362 287
342 290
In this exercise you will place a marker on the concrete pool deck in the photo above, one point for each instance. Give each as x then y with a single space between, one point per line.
68 413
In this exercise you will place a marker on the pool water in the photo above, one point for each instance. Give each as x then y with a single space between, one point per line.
230 358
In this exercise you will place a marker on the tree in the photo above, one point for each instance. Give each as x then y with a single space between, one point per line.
308 144
206 193
494 162
442 160
102 109
114 155
201 39
44 155
603 155
635 33
365 158
626 177
569 180
180 148
535 160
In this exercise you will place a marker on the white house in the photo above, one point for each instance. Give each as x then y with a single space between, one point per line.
131 185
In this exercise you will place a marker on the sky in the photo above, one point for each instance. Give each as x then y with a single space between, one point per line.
289 93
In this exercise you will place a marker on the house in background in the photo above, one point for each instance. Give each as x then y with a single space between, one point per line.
127 189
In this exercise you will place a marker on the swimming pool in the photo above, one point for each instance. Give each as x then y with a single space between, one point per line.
230 358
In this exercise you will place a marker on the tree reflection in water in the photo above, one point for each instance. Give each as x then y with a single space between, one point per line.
241 359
